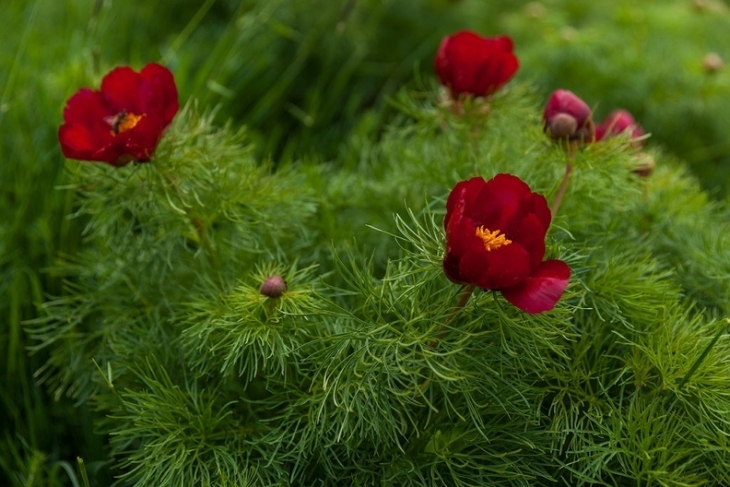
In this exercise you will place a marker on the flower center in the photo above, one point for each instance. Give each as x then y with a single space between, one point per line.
492 240
124 121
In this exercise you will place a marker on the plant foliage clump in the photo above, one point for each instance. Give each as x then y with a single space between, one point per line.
363 371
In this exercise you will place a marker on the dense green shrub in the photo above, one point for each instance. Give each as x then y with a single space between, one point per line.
150 273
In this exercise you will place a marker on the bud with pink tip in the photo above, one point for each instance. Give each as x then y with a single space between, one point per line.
618 122
274 286
567 117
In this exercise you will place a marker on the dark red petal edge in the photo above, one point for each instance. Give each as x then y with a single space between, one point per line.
541 291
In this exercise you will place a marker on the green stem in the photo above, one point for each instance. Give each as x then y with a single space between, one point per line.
195 221
463 299
558 199
203 237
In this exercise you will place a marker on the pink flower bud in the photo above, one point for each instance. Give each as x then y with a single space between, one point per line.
560 108
617 122
274 286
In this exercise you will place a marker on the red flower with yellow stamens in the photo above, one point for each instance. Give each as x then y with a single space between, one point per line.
124 120
495 239
469 64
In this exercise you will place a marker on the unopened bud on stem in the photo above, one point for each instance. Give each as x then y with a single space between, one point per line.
562 126
645 165
274 286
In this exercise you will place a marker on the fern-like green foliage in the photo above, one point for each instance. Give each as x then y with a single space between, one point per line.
363 371
153 314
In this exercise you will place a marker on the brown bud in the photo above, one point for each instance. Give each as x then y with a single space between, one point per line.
273 286
562 126
644 165
712 62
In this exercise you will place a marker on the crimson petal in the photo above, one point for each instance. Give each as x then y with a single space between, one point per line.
499 200
541 291
494 72
529 233
158 93
120 89
463 196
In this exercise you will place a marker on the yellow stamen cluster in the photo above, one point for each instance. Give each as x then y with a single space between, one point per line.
125 121
492 240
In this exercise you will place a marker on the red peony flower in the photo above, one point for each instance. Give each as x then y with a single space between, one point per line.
123 121
469 64
617 122
568 117
495 239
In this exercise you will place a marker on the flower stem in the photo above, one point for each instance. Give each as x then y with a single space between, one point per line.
203 238
195 221
555 205
465 295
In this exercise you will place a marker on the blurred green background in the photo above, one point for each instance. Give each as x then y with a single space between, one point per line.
311 79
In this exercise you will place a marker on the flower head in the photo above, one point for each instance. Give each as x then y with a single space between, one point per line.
567 117
469 64
495 239
617 122
124 120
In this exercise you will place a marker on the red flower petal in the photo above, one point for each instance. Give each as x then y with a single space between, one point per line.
121 91
461 240
498 201
541 291
463 54
469 64
494 72
77 142
496 269
500 43
158 93
529 233
539 207
463 195
87 107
